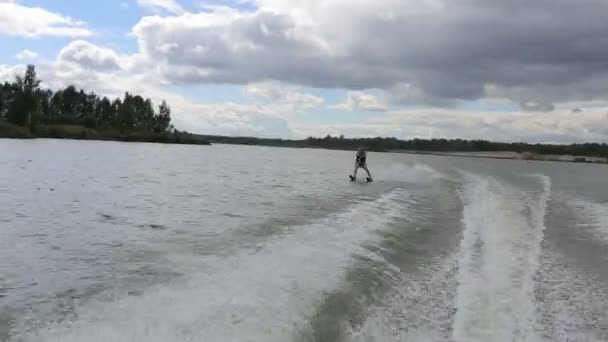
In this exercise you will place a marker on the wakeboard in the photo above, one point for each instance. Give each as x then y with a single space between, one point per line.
353 179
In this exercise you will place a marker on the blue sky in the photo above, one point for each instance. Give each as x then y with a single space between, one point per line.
311 67
107 18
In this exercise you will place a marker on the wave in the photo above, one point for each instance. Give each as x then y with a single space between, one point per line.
418 310
573 283
416 303
573 301
594 217
263 294
414 173
500 252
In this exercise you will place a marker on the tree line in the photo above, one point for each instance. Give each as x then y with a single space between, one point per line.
461 145
24 103
380 144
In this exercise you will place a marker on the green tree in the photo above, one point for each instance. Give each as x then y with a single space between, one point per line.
44 97
24 103
143 114
7 95
89 110
147 115
105 113
126 113
24 107
65 106
163 118
116 107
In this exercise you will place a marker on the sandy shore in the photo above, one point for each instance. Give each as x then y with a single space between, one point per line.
514 155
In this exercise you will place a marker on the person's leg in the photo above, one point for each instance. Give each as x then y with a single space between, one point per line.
355 172
369 175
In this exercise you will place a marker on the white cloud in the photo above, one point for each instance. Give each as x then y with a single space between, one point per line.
230 118
557 126
301 102
168 5
35 22
435 52
8 72
272 105
445 51
108 73
211 46
90 56
358 100
27 55
560 126
264 90
282 99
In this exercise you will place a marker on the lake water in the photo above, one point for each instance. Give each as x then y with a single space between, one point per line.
104 241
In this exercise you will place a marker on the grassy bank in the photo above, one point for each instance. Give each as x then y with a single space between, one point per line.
79 132
8 130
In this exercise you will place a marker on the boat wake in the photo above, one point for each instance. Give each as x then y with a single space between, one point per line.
263 294
500 251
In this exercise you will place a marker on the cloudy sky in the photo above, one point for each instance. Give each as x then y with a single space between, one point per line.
533 70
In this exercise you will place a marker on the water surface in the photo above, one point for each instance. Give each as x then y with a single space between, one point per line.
104 241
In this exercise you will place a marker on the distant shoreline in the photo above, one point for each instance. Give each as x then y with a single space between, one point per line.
513 156
77 132
525 156
127 139
487 149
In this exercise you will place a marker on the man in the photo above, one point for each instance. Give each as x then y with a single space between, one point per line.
361 162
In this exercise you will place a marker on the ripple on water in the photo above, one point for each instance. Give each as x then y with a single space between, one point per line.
154 226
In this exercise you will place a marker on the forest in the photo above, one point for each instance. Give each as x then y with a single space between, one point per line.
27 110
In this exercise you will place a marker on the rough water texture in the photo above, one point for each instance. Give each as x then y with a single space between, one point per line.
103 241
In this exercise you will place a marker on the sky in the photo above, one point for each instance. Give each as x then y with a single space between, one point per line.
518 70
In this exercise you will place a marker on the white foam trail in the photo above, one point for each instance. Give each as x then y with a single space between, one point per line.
418 311
261 295
500 254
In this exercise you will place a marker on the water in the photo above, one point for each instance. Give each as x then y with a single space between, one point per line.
103 241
